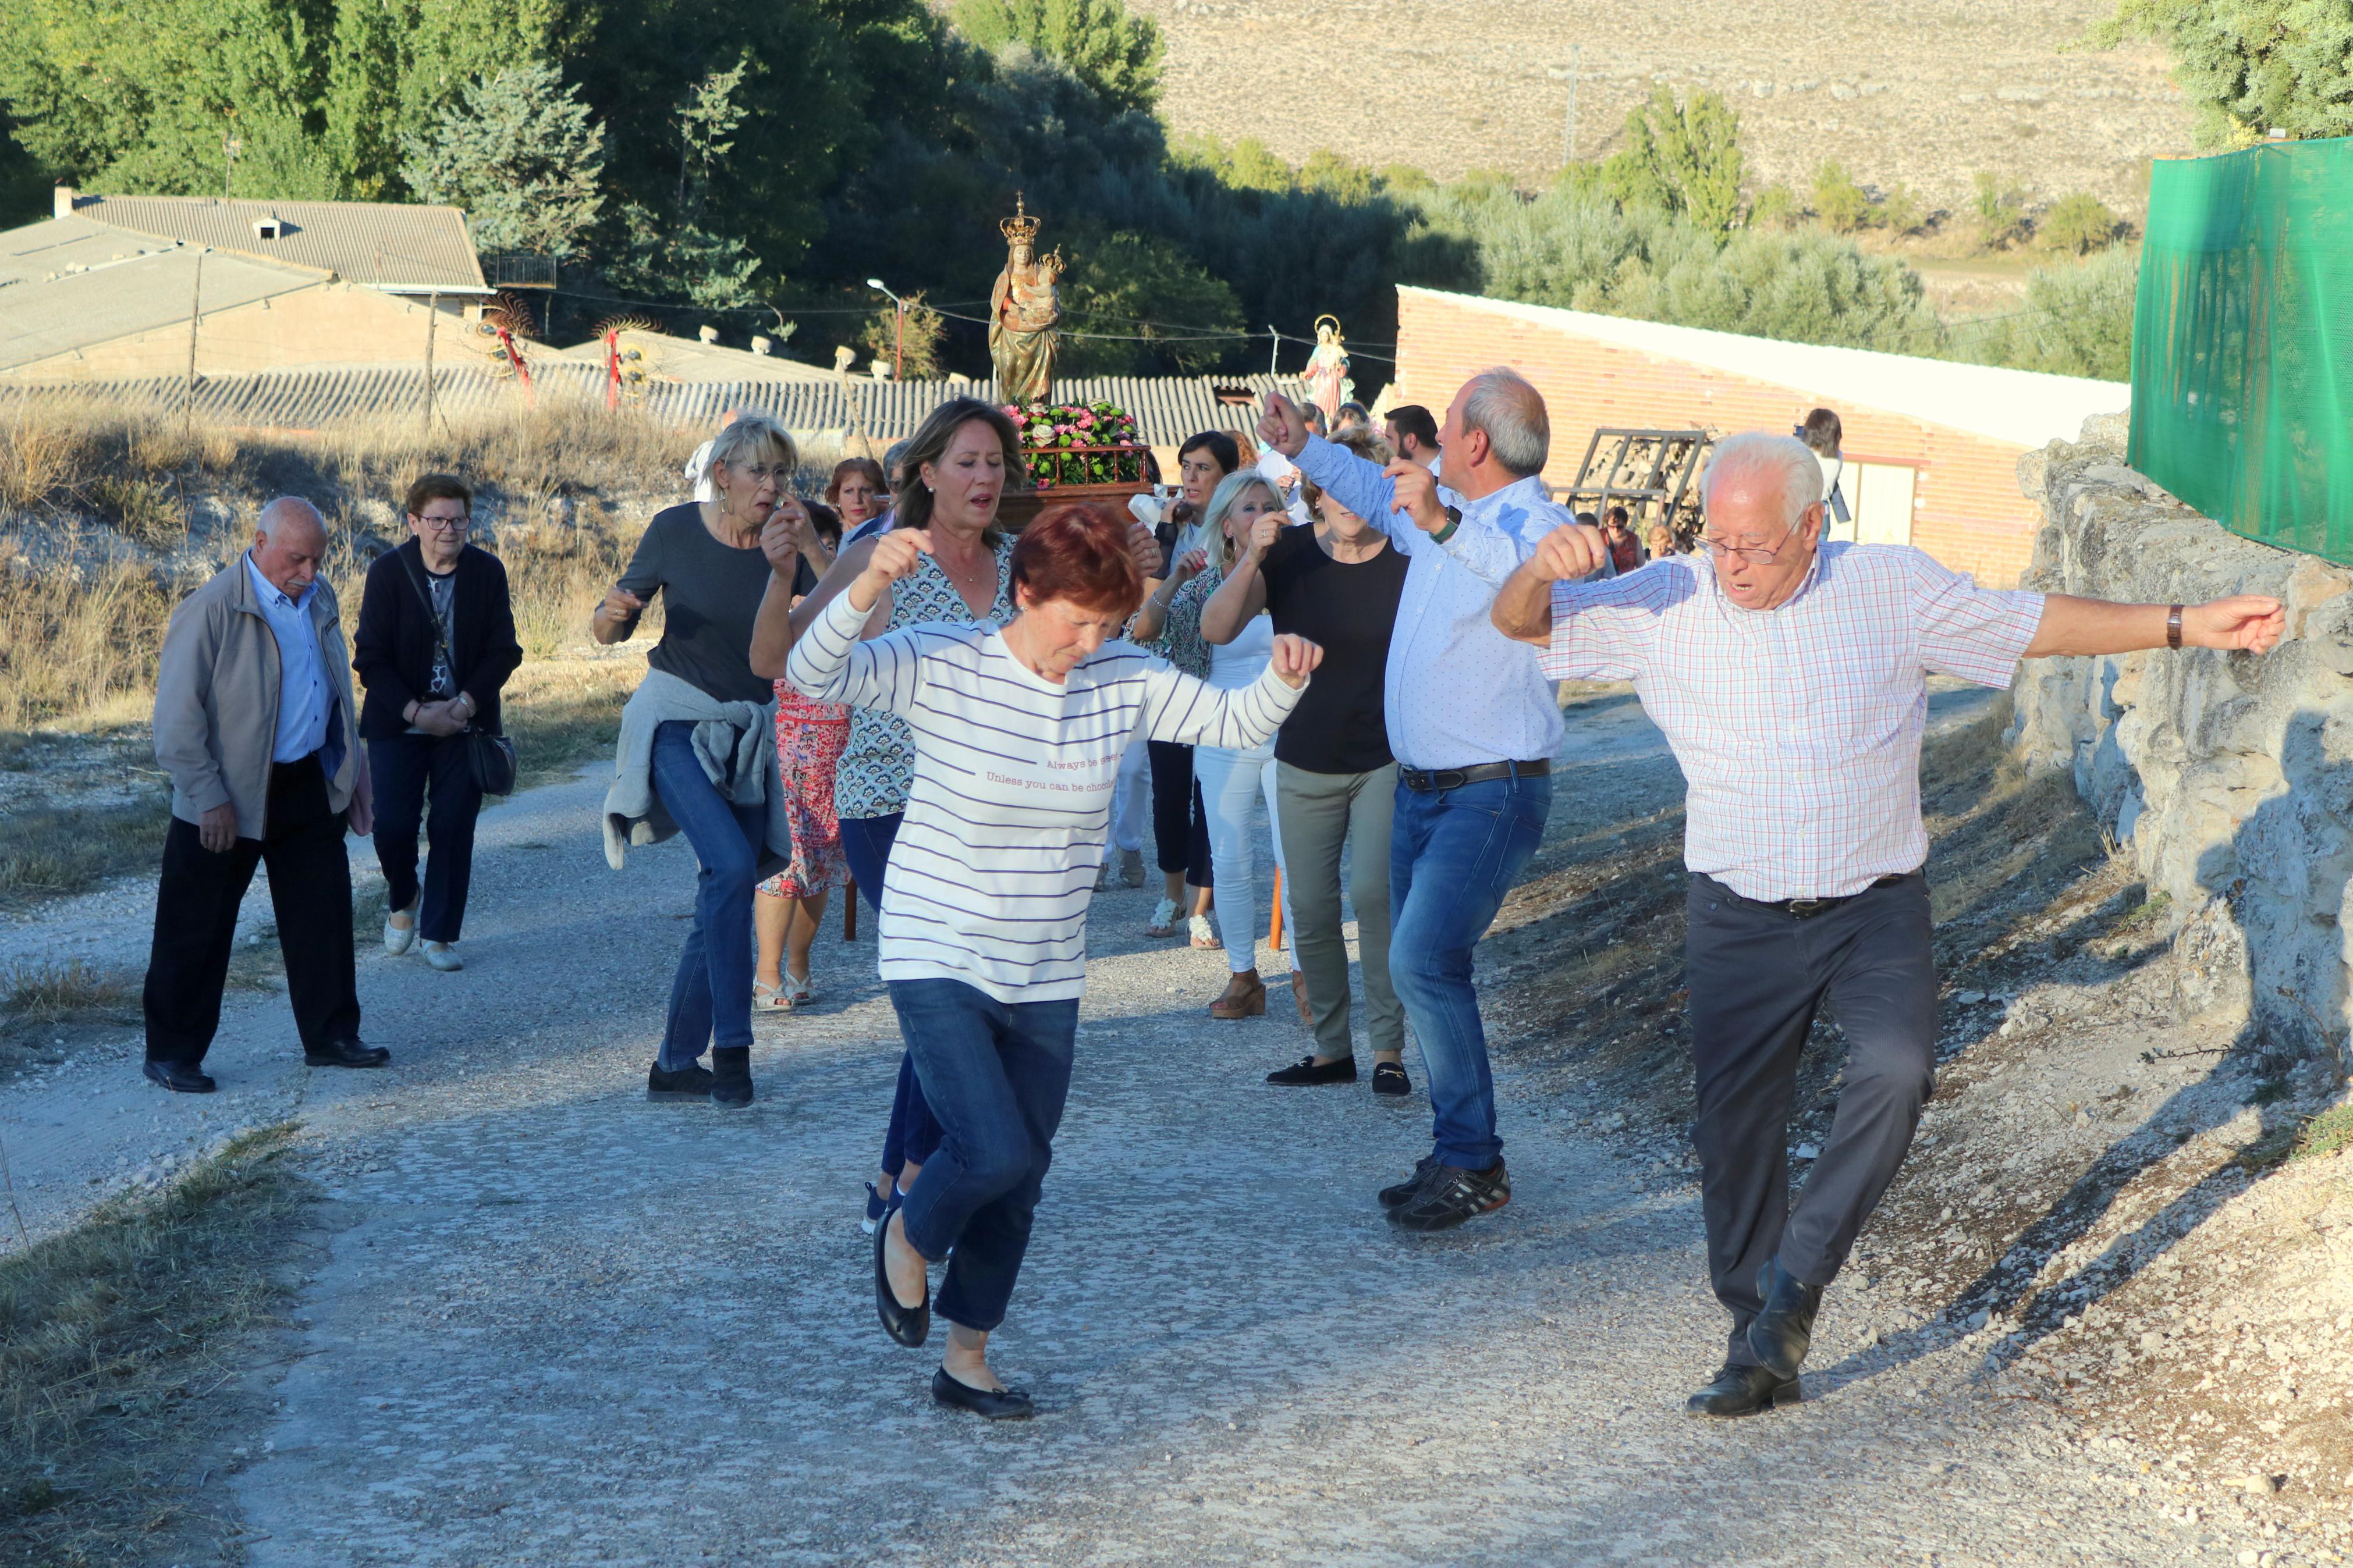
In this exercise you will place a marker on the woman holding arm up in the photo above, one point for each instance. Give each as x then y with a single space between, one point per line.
1018 734
698 746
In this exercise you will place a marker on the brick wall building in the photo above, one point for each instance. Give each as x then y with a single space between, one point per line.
1932 448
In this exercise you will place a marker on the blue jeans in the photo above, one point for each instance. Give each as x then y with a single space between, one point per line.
1453 854
913 1134
997 1073
711 999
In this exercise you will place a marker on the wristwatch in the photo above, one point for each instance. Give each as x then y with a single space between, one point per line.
2173 627
1454 522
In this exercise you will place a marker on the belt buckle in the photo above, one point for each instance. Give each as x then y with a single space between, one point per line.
1806 909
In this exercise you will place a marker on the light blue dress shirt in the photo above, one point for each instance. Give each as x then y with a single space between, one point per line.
1458 692
304 700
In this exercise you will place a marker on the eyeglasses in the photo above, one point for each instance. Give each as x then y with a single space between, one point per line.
759 473
1754 555
447 524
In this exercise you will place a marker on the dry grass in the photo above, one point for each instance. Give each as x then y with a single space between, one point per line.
70 645
53 851
48 991
117 1340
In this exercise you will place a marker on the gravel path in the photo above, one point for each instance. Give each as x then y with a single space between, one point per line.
560 1325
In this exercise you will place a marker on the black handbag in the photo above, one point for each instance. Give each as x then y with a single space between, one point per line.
490 756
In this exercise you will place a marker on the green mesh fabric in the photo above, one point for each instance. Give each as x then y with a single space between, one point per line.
2242 342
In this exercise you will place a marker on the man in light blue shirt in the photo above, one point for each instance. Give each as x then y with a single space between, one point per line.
1473 723
303 699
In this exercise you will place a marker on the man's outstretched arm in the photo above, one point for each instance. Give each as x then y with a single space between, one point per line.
1522 609
2241 623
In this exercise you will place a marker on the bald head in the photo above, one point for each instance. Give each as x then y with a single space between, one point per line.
290 540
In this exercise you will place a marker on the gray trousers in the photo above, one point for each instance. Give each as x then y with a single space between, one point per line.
1757 975
1319 812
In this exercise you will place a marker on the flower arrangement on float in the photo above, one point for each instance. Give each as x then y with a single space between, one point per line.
1079 444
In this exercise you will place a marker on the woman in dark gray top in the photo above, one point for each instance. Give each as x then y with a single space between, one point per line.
707 561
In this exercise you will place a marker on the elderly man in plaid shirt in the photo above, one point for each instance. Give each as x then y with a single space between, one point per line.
1790 676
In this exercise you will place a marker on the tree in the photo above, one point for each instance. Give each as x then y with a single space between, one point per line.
1154 308
1997 206
678 257
1116 55
521 154
1839 201
913 350
2081 223
2248 67
1680 158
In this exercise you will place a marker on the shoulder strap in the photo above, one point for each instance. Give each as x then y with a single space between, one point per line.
441 627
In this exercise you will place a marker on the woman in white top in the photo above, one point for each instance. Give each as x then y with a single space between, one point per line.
1018 736
1232 779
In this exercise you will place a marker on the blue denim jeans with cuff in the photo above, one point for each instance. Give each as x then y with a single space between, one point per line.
996 1074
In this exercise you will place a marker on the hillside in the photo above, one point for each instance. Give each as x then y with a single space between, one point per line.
1926 92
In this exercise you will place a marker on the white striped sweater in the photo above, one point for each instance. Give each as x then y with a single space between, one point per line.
996 860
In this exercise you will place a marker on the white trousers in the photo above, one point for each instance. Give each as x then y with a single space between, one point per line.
1131 798
1232 785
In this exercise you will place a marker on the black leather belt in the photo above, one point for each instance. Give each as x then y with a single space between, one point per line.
1806 909
1442 779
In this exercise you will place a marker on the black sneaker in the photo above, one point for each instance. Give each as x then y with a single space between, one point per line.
1451 1194
1305 1071
691 1081
731 1076
1388 1078
1394 1197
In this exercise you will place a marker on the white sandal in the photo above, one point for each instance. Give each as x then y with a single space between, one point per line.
767 999
1164 919
1204 933
797 992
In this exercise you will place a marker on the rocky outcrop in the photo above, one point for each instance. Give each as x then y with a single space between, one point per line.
2228 776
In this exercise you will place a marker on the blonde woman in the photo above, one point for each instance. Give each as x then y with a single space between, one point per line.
1230 778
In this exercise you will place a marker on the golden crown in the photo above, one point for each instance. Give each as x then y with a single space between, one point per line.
1020 228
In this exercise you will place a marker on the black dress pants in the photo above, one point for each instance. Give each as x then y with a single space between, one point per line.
1757 975
407 768
196 922
1180 828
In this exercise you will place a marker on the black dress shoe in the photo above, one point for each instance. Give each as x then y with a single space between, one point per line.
1781 1332
1402 1194
180 1077
347 1054
910 1326
988 1404
1742 1391
731 1076
1305 1071
1388 1078
691 1081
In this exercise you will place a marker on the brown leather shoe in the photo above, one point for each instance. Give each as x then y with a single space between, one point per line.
1245 997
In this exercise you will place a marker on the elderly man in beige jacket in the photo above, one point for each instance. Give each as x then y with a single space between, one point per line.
255 724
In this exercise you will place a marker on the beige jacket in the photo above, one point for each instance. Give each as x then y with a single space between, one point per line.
216 701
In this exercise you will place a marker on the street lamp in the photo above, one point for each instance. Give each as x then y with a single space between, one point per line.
899 342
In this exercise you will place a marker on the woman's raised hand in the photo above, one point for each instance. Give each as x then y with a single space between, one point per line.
1192 565
1295 658
785 535
896 554
1265 529
1145 549
620 604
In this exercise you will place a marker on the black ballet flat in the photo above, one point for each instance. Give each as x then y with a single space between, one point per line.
988 1404
910 1326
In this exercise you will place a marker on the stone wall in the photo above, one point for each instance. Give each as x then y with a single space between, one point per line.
2228 776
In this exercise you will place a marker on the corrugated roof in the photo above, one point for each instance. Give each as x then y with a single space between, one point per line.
666 357
1168 409
387 245
2023 406
61 289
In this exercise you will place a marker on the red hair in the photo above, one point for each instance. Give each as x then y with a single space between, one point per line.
1080 552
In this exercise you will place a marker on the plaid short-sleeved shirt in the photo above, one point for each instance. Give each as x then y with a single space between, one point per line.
1797 728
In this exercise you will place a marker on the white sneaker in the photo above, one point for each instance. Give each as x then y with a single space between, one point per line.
397 938
443 955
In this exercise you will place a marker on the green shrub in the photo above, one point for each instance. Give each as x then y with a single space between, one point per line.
2080 224
1839 201
1996 208
1776 206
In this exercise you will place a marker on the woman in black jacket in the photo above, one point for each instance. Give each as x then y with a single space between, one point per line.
436 641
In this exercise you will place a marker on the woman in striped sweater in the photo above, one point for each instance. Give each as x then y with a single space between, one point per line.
1019 733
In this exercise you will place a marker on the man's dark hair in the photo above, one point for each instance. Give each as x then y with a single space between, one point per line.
1618 518
1217 444
1353 413
1821 432
438 487
1412 419
1586 520
1314 414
